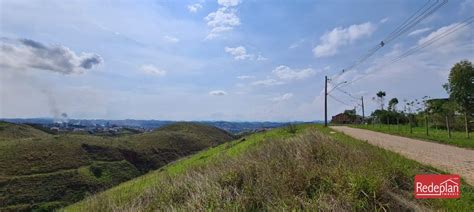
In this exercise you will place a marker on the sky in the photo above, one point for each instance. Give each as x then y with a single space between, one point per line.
234 60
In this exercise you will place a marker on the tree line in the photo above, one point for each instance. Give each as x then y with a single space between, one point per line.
454 112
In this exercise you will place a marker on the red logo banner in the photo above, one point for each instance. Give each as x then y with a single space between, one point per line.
437 186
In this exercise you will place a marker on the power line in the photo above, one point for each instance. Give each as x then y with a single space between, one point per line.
348 94
414 21
434 39
419 47
340 101
408 24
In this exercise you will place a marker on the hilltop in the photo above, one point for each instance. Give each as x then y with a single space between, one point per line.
17 131
44 171
304 168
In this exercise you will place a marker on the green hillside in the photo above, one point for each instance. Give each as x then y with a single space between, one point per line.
313 169
15 131
43 171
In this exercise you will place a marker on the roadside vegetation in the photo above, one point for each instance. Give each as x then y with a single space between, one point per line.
445 120
310 168
41 171
458 138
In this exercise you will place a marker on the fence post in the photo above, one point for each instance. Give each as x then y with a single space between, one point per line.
447 127
398 124
388 122
426 125
411 127
466 123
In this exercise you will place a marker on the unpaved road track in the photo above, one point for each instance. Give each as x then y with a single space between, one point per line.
451 159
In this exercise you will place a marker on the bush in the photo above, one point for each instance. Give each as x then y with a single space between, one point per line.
385 116
291 128
96 170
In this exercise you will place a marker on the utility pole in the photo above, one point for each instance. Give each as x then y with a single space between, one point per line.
363 113
325 101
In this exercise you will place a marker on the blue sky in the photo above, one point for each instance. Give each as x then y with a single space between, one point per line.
216 59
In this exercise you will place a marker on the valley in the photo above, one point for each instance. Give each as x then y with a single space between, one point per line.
44 171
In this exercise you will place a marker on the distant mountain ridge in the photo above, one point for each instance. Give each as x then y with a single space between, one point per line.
230 126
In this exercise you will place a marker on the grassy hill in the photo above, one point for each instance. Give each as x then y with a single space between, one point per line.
313 169
10 131
44 171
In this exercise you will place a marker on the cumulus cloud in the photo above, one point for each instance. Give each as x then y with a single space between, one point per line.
245 77
419 31
224 19
284 74
152 70
228 3
218 93
29 54
287 73
440 31
171 39
339 36
194 7
261 58
239 52
384 20
283 97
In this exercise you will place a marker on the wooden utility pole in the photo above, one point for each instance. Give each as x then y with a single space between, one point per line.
363 113
325 101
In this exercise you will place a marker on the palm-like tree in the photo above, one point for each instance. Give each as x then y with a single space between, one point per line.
381 95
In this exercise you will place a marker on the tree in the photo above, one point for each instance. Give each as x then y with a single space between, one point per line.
460 87
392 104
381 98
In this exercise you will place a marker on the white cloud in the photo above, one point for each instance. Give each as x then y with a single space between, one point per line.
245 77
194 7
267 82
171 39
222 20
283 97
152 70
261 58
286 73
239 53
29 54
419 31
384 20
228 3
218 93
338 37
439 32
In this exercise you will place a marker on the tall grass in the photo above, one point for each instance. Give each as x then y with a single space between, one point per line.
307 172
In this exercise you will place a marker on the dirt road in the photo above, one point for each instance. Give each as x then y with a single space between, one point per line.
451 159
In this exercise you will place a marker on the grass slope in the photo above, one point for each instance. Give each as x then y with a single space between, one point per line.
43 171
10 131
313 170
437 135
